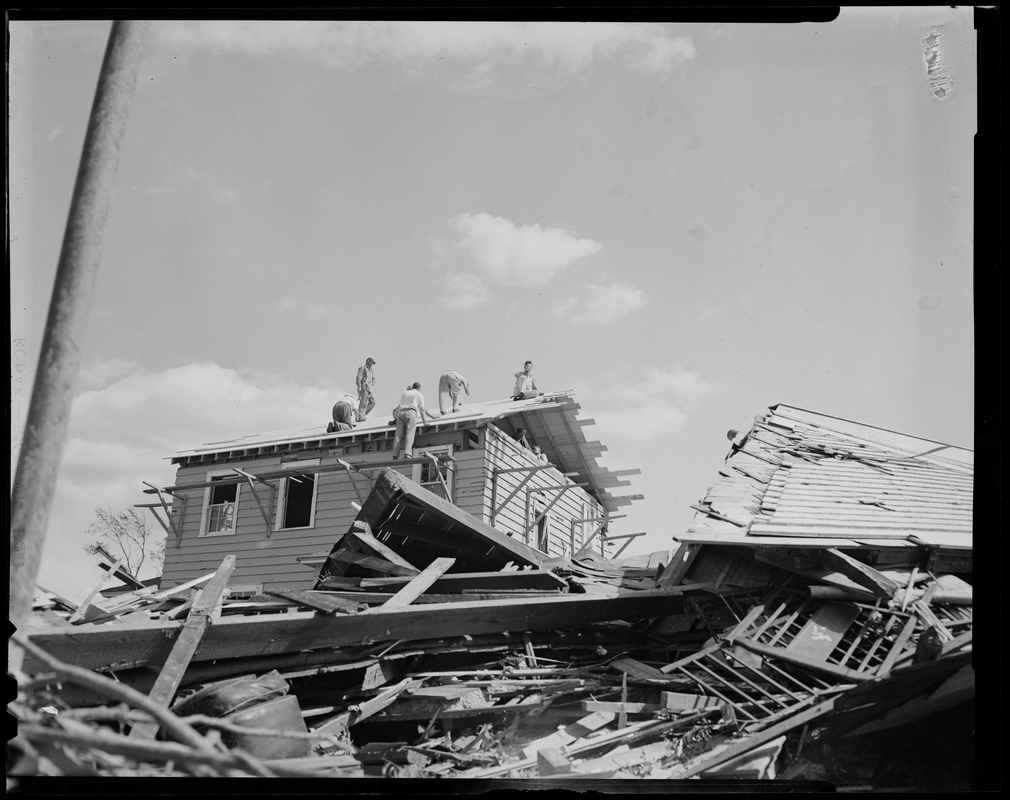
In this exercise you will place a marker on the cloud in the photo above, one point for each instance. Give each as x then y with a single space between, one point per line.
123 434
654 408
308 308
464 292
724 305
477 48
524 256
186 179
602 304
98 374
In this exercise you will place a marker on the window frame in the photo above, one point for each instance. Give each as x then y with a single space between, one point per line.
205 510
450 470
282 496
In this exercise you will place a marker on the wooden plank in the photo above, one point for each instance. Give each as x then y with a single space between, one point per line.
781 653
638 670
372 562
263 635
480 581
570 733
864 575
94 592
614 707
682 701
185 646
824 630
418 585
681 562
551 761
317 600
361 534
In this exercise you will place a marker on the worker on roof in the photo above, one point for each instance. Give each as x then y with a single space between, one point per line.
344 416
365 381
526 384
449 386
407 410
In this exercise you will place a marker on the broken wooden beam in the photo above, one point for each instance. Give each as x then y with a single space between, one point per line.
418 585
185 646
262 635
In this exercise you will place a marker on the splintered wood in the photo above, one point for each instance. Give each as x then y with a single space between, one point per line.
406 662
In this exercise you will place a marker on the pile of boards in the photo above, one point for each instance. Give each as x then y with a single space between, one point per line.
707 662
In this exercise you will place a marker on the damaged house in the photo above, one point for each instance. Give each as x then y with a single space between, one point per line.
281 500
821 599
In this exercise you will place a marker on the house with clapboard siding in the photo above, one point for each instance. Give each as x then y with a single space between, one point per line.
278 501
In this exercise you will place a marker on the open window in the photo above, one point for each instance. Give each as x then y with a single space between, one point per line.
432 474
542 529
220 505
296 503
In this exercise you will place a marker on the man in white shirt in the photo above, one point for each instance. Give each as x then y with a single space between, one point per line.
449 387
526 384
410 406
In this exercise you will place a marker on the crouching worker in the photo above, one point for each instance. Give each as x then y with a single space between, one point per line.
526 384
344 415
411 406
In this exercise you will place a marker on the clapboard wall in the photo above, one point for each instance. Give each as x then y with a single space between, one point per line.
268 556
501 451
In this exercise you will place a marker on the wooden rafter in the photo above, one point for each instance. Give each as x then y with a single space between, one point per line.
494 485
561 488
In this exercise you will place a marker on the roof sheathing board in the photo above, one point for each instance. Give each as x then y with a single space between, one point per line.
819 476
552 420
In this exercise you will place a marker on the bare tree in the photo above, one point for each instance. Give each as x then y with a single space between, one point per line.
125 534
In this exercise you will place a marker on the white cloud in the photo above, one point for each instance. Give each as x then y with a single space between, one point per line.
187 179
98 374
477 47
654 408
124 433
308 308
602 304
525 255
464 292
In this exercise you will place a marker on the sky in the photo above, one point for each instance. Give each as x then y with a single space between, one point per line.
683 223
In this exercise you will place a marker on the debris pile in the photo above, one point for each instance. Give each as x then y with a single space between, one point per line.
404 661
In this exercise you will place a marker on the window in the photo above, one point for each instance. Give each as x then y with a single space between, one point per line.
542 529
220 510
297 502
430 474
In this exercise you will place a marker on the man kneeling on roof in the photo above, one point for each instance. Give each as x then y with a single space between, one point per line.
343 414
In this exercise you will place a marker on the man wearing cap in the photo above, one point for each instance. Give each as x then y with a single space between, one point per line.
343 414
365 380
526 384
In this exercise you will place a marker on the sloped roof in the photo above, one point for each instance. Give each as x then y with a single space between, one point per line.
800 478
552 420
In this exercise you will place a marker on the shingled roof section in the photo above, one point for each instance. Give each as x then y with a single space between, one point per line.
801 478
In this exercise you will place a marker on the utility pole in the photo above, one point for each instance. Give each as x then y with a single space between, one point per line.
66 325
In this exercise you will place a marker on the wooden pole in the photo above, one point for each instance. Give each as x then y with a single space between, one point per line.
70 305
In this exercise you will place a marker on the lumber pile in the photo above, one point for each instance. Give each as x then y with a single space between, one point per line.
404 662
